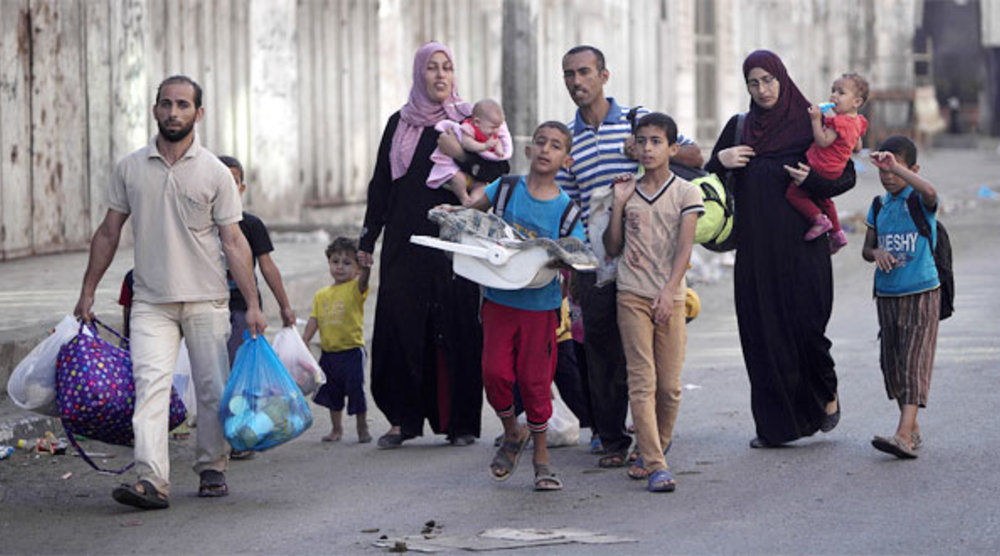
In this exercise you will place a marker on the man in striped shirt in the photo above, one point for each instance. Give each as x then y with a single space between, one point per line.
602 142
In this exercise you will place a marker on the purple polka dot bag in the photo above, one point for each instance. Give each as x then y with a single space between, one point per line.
95 390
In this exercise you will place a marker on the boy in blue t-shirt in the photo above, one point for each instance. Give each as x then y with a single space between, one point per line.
907 288
519 326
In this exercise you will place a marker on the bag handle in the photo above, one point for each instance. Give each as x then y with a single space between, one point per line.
86 458
92 325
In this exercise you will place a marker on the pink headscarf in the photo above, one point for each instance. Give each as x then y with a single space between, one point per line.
421 111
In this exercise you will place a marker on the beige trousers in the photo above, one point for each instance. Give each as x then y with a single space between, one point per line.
654 356
156 331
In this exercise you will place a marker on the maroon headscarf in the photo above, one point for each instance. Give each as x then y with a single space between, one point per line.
421 111
785 125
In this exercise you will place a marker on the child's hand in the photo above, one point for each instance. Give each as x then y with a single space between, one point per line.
884 260
492 142
364 259
624 185
815 114
663 307
629 149
883 160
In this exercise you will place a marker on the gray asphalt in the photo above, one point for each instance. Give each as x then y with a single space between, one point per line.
829 494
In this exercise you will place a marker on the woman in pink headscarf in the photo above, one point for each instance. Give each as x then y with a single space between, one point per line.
428 340
783 286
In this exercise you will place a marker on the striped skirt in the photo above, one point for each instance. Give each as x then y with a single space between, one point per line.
908 327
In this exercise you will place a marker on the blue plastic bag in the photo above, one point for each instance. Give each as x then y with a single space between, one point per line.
262 406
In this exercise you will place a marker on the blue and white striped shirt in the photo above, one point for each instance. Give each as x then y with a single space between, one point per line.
598 157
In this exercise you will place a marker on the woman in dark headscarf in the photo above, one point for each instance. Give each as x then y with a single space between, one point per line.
783 286
428 340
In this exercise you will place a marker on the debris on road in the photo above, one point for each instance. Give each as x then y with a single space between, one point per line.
502 538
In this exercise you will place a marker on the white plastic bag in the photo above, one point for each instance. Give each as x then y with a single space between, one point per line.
32 385
298 360
564 427
183 382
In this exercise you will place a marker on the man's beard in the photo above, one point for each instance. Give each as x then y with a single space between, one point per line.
175 136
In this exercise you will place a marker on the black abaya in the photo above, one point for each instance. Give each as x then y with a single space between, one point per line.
783 287
427 342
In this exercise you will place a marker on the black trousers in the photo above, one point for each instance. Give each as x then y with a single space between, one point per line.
605 362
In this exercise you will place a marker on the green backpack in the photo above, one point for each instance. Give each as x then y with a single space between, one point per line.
715 226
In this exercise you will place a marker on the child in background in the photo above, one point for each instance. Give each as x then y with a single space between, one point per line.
519 326
484 133
338 313
125 300
652 226
907 288
835 139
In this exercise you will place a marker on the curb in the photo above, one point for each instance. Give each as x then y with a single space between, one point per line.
26 425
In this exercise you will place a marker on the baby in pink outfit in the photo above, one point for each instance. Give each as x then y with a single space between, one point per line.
484 133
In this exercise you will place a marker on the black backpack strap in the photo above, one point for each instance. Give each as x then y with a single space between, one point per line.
876 207
569 218
913 203
741 120
631 117
504 192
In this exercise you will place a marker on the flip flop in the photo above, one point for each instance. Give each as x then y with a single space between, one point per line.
637 471
545 478
213 484
148 499
661 481
893 445
503 462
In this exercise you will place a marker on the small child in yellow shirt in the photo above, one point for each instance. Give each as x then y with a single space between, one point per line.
338 313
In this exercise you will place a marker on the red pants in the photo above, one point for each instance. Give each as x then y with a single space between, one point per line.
519 346
807 206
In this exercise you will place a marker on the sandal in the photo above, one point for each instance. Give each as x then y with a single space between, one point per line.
148 498
616 459
637 471
634 454
894 445
503 465
596 447
213 484
389 441
661 481
545 478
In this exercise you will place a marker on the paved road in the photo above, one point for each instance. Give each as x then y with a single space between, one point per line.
828 494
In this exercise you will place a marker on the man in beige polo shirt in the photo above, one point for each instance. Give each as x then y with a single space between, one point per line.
186 211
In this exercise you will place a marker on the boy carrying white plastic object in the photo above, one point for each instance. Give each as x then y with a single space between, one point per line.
488 251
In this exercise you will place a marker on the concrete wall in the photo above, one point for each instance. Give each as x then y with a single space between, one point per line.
300 91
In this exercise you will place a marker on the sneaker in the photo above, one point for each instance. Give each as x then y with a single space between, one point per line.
821 225
838 240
